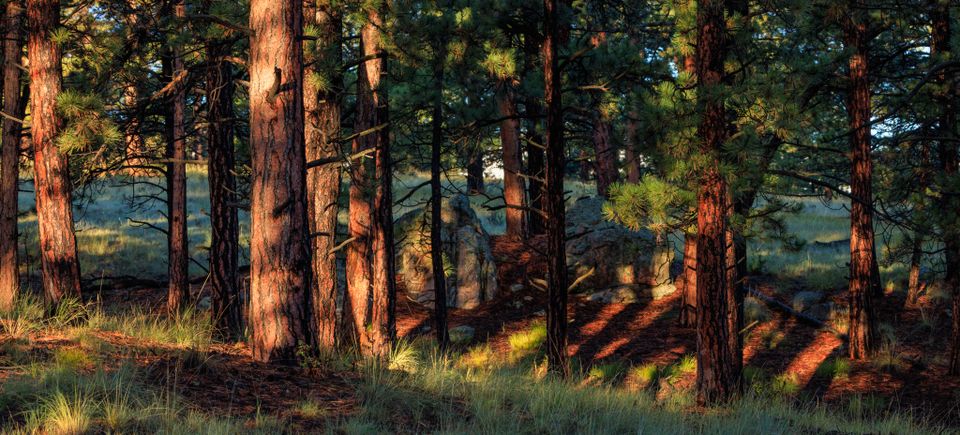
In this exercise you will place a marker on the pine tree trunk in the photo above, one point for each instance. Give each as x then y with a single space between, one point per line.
280 314
717 375
475 173
10 158
913 278
735 293
514 192
135 146
58 242
225 227
533 147
863 335
942 36
632 156
688 294
322 131
606 155
554 201
436 199
178 292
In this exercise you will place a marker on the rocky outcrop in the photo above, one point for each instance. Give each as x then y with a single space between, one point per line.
471 275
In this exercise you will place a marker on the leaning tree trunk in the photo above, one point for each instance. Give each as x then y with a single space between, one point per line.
436 199
554 201
322 131
178 291
513 186
863 334
942 35
280 314
10 158
718 377
58 242
225 227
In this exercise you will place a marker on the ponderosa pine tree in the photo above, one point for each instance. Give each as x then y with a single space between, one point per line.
554 202
224 222
10 156
58 242
436 195
178 256
514 191
717 375
280 314
322 101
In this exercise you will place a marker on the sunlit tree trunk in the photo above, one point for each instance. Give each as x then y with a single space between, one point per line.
280 314
688 294
554 201
58 242
178 290
10 157
322 108
225 227
717 375
514 192
863 335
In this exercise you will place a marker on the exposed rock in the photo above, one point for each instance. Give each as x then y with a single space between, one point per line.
802 301
471 274
462 334
616 295
663 290
616 255
822 311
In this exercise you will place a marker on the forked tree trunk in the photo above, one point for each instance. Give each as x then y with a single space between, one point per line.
717 375
554 203
436 199
58 242
514 192
280 314
322 131
688 294
10 157
942 35
178 291
605 155
225 227
863 334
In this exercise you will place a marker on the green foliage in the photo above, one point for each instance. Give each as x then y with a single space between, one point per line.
653 204
87 127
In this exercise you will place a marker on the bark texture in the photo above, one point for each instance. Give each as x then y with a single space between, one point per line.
322 131
605 163
280 313
10 158
514 192
688 294
54 191
436 198
178 255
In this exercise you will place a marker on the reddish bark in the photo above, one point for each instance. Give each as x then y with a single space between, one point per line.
554 201
514 192
632 157
10 158
280 314
225 229
718 377
688 294
863 334
58 242
178 291
322 131
605 155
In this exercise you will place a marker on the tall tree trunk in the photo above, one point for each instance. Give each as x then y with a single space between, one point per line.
605 154
280 313
322 131
632 156
436 199
475 173
554 201
178 255
942 35
534 146
225 227
383 309
514 192
58 242
10 158
688 294
717 375
135 146
863 335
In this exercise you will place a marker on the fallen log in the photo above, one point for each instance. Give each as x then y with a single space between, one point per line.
776 304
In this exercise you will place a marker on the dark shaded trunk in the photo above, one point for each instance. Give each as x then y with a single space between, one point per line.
514 191
913 277
436 198
10 157
475 173
58 242
632 156
554 203
605 155
225 227
280 313
718 377
135 147
322 132
178 256
688 293
863 334
734 291
534 147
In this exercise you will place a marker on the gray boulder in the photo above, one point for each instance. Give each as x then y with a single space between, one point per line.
470 272
803 301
